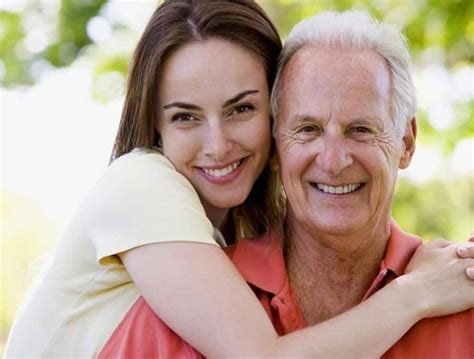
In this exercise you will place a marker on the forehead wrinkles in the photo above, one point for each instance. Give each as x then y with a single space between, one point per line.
351 75
295 70
296 74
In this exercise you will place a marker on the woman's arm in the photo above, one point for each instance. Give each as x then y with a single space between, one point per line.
197 291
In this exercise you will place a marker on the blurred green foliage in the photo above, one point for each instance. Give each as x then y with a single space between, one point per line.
66 39
436 208
447 24
438 31
16 71
71 30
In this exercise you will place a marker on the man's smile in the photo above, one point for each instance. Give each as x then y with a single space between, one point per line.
340 189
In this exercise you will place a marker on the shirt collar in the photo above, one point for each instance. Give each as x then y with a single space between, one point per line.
400 248
219 238
261 263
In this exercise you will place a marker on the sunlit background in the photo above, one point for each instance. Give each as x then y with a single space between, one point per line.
63 66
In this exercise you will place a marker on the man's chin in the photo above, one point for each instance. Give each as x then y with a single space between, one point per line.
338 225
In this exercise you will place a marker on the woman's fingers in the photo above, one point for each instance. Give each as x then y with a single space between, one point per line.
465 250
470 272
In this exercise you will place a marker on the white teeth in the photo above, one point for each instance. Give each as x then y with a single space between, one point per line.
348 188
223 171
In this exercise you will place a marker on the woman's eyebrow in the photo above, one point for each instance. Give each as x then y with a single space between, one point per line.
239 97
189 106
183 105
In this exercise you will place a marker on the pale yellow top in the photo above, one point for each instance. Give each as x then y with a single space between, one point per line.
85 291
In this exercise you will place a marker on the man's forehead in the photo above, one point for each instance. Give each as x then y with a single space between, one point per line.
311 59
319 81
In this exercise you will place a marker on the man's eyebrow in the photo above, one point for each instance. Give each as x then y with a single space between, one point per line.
239 97
183 105
364 119
305 118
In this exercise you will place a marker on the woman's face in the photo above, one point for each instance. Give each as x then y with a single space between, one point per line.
214 120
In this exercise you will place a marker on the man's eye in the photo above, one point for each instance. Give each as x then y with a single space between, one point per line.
361 129
183 117
243 108
308 129
307 132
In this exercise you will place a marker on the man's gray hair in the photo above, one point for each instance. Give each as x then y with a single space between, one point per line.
359 31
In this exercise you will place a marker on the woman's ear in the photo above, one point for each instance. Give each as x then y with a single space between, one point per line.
409 141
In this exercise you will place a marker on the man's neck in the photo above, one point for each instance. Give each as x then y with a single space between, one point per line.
329 273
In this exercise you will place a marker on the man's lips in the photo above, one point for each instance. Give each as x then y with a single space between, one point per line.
338 189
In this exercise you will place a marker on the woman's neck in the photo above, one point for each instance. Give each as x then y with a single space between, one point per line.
217 216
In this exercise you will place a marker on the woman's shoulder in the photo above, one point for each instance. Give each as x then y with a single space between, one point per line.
141 199
142 179
144 167
142 159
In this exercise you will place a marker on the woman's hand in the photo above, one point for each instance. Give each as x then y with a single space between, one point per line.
442 276
467 251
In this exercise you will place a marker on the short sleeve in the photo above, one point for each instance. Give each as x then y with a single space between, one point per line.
142 199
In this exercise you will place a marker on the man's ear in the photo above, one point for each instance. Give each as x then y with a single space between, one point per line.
409 142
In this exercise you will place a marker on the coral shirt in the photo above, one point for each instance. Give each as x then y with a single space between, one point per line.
261 263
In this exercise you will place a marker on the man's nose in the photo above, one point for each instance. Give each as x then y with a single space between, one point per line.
334 155
217 142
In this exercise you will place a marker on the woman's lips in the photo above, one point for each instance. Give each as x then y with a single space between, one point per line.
223 174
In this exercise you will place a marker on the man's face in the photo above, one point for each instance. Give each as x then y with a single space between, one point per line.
338 148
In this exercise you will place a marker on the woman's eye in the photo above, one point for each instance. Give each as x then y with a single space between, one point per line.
243 108
183 117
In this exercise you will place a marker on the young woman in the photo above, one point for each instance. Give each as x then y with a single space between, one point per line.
191 159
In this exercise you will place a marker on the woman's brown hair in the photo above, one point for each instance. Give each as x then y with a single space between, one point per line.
176 23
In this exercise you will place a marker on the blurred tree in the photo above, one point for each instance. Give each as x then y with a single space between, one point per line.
435 209
446 25
72 30
38 38
26 49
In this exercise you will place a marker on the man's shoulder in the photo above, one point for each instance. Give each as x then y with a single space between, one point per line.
450 336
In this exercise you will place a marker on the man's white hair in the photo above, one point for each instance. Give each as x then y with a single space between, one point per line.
356 30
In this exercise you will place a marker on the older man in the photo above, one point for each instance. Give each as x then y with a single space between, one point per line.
345 104
344 107
341 138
